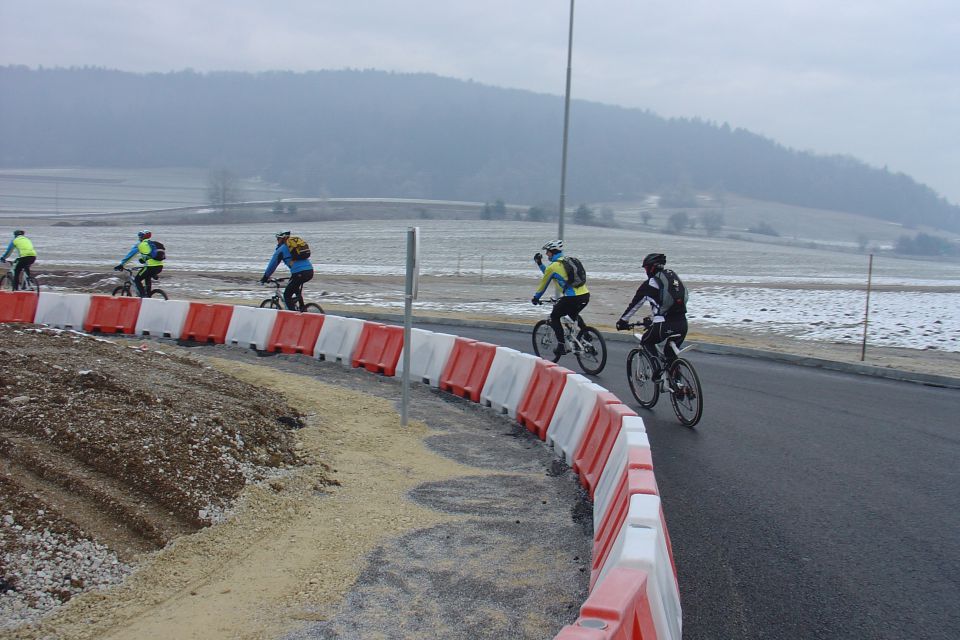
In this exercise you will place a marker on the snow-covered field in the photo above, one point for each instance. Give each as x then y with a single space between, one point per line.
798 292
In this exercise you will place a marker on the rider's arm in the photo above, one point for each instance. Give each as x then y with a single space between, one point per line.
134 251
549 273
646 293
8 251
274 262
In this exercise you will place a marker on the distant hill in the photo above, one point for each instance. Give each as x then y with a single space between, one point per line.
378 134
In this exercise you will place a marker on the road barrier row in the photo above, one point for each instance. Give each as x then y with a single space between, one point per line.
634 592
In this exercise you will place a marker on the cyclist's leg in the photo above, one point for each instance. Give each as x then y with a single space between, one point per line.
23 264
577 305
17 270
293 293
651 338
152 274
675 330
142 275
560 309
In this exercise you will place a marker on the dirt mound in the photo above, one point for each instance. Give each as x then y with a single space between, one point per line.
109 449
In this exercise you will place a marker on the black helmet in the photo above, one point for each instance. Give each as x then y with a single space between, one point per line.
654 260
18 232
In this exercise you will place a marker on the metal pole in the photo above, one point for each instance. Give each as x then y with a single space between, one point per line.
566 126
866 311
407 324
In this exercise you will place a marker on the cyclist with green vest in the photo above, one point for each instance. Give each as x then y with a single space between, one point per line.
26 255
151 266
571 300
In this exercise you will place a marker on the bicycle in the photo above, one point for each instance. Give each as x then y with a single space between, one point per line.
679 379
586 344
276 300
27 281
129 287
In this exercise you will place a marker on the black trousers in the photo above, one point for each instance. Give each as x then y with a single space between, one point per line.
22 264
671 328
293 293
143 279
567 306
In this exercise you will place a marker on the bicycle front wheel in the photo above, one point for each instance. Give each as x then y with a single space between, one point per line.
593 353
312 307
159 293
270 303
640 378
545 341
122 291
686 396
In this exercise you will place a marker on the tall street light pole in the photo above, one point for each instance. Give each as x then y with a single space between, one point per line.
566 126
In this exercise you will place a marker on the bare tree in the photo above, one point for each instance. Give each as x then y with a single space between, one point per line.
222 189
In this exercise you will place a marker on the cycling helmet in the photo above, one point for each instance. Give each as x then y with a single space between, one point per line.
553 245
18 232
143 235
654 260
282 234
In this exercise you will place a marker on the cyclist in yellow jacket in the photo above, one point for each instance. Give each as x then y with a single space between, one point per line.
571 300
151 266
26 255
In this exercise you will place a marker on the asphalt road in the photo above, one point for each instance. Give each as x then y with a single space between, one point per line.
806 503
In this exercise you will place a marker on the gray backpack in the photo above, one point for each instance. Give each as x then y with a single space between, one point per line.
576 274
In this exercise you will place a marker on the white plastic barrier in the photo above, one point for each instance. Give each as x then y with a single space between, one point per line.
642 544
633 435
250 327
576 403
338 338
161 317
507 381
429 353
63 310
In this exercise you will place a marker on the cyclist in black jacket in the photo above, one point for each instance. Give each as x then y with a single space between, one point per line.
669 317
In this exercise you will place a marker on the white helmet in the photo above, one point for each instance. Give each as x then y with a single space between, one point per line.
553 245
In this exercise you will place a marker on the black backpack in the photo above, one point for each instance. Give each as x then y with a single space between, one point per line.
673 293
157 250
576 274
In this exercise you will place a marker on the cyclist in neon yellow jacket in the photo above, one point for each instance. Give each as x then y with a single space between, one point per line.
151 266
26 255
571 300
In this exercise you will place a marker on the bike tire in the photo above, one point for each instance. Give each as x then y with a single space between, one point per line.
312 307
32 285
6 283
544 341
159 293
122 291
593 356
687 395
640 378
269 303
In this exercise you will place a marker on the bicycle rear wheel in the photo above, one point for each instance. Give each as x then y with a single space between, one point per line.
312 307
270 303
30 284
122 291
593 354
544 341
6 282
686 396
159 293
640 378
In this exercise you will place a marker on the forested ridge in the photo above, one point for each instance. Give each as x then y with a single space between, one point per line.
379 134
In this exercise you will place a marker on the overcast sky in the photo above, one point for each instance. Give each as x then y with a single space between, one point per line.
875 79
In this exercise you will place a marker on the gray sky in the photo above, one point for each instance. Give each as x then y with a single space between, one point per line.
875 79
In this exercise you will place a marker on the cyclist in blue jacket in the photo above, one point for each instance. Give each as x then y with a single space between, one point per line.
301 271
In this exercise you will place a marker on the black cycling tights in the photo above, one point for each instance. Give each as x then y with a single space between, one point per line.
293 293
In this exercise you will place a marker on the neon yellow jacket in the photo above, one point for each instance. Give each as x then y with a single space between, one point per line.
23 247
143 248
555 271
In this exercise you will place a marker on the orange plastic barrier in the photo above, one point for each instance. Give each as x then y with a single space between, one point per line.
109 314
632 481
543 393
207 322
467 368
378 348
598 438
18 306
295 332
619 609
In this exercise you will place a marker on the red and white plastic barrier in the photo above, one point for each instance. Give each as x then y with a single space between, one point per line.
634 591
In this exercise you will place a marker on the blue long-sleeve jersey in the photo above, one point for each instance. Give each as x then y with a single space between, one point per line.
282 254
